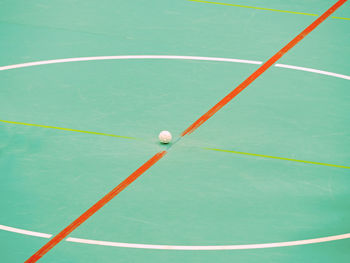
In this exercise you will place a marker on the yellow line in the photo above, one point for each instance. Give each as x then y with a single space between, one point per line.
211 149
67 129
262 8
337 17
279 158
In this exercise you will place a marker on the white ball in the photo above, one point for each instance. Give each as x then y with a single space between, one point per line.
165 137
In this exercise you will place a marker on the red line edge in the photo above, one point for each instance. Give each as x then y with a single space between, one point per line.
262 69
92 210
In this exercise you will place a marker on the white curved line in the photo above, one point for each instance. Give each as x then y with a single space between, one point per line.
55 61
314 71
65 60
224 247
24 232
172 247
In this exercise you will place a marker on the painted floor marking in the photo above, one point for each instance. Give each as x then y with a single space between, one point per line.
96 207
338 17
261 70
215 59
46 62
65 60
266 9
317 71
24 232
212 149
67 129
224 247
279 158
176 247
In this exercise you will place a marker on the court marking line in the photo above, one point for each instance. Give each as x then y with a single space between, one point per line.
96 207
24 232
174 57
29 64
265 9
204 148
338 17
177 247
212 149
317 71
279 158
78 59
68 129
262 69
215 247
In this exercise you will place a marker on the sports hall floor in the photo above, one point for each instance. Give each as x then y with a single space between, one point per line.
266 179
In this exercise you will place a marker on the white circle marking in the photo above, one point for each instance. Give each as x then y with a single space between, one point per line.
172 247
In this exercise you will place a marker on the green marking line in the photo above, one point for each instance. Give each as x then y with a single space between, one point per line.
279 158
67 129
266 9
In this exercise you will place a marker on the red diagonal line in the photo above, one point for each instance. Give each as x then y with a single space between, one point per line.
92 210
262 69
65 232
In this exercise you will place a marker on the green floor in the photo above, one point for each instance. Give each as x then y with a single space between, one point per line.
193 196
